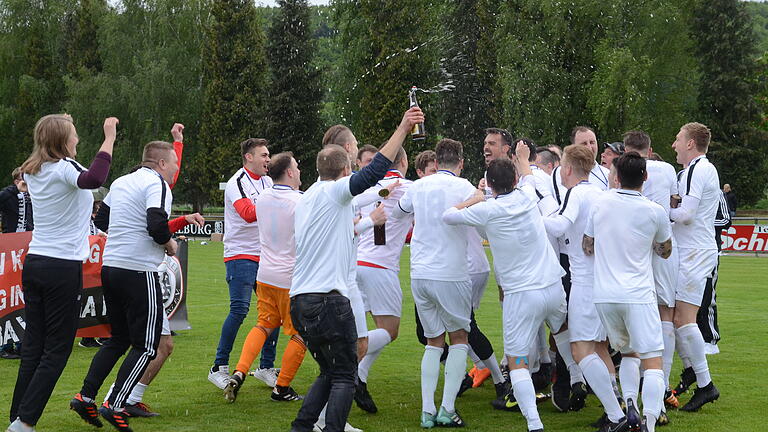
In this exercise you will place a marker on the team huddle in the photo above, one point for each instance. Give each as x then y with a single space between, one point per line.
601 271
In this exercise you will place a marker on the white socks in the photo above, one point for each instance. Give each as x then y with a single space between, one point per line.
493 365
693 344
563 342
377 340
455 368
525 395
668 332
629 375
476 359
137 394
653 395
598 378
430 372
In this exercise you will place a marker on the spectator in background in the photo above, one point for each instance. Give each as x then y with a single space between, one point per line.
611 151
730 198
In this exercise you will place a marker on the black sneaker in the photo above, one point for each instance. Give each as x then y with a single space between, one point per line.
233 387
561 395
502 388
363 399
620 426
633 417
139 409
10 354
663 419
603 420
118 419
86 410
466 384
687 378
89 343
505 402
285 394
542 378
702 396
578 396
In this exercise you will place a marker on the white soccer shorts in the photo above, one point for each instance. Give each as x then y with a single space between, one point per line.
665 274
583 322
696 266
380 290
358 310
443 306
632 327
479 282
525 311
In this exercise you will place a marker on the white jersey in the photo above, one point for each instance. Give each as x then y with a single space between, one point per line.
577 204
438 251
324 238
598 177
388 255
477 260
624 225
522 256
242 237
699 180
545 193
276 233
129 245
62 211
661 183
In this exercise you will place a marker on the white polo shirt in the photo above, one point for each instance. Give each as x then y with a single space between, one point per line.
438 251
624 225
522 256
62 211
276 233
577 204
241 238
699 180
129 245
325 232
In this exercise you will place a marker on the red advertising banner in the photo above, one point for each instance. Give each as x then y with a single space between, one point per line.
745 238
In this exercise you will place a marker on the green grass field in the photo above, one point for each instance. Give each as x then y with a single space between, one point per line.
188 402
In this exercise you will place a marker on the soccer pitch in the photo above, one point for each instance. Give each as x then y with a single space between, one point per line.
188 402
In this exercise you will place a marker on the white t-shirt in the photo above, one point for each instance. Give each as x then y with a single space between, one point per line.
388 255
324 238
241 237
624 225
577 204
438 251
699 180
661 183
129 245
276 233
477 260
522 256
62 211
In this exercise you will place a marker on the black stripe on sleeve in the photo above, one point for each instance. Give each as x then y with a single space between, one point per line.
554 183
538 194
240 184
75 164
401 208
162 195
690 177
565 201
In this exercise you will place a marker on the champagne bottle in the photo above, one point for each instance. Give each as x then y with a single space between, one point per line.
417 133
379 232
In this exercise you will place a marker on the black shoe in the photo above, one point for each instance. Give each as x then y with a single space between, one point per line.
701 396
363 399
118 419
466 384
139 410
86 410
233 387
620 426
603 420
633 417
89 343
502 388
285 394
663 419
687 378
561 397
505 401
578 396
10 354
542 378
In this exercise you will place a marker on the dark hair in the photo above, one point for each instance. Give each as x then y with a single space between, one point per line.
251 143
637 140
556 150
423 159
336 134
630 169
331 162
505 135
279 164
531 147
449 153
547 156
578 129
501 175
16 174
366 148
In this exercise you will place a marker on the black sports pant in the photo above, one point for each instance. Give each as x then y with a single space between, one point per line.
707 315
52 296
563 377
476 338
134 305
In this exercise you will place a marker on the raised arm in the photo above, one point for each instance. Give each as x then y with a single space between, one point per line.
97 173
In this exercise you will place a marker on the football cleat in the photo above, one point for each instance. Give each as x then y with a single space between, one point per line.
285 394
448 419
561 397
479 376
670 400
363 399
578 396
233 387
633 417
118 419
139 409
620 426
427 420
466 384
663 419
86 410
687 378
702 396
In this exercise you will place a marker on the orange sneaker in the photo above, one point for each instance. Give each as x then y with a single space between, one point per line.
479 376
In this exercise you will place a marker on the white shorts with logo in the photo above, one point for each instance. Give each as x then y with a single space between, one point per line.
632 327
479 282
583 322
696 265
443 306
524 312
358 310
665 274
380 290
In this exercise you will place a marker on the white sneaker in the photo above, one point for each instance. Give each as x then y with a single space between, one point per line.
18 426
349 428
219 378
267 376
711 349
319 426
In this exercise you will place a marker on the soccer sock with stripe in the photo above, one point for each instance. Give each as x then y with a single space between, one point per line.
525 395
430 373
694 343
377 340
563 342
598 378
293 356
629 375
455 366
251 348
668 332
653 395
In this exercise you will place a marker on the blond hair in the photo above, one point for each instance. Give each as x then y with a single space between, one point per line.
580 158
700 135
50 142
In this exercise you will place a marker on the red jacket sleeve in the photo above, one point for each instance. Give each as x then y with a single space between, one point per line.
178 147
246 209
177 224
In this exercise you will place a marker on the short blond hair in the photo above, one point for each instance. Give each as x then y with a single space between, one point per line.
579 157
700 135
331 162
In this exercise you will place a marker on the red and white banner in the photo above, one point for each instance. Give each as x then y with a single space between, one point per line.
746 238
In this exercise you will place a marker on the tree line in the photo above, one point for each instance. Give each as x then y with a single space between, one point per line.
229 70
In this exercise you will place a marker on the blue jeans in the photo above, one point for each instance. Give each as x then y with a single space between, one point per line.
241 278
327 325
